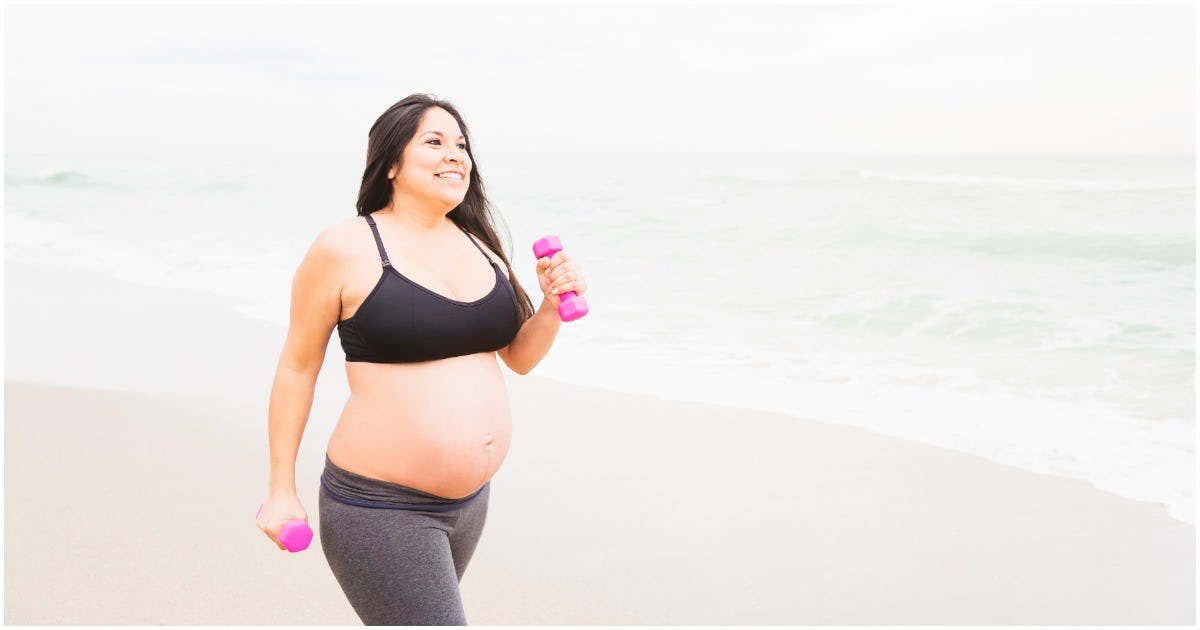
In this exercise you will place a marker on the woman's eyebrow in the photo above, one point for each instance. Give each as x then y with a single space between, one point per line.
439 133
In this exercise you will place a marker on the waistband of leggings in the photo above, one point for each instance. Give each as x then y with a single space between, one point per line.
354 489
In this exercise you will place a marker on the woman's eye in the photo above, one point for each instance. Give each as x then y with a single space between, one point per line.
461 146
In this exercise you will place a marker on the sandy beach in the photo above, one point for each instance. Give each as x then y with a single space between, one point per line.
135 455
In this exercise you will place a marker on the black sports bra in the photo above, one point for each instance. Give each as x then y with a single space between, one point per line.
401 321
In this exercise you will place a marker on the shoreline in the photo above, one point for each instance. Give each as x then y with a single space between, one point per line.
610 508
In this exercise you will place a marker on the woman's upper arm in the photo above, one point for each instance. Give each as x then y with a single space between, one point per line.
316 305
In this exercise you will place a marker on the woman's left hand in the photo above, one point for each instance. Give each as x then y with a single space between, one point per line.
558 274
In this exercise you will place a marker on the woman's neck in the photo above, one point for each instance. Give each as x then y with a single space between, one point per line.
419 220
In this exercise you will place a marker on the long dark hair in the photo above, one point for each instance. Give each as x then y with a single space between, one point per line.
389 135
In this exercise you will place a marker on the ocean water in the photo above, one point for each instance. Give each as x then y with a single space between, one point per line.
1036 311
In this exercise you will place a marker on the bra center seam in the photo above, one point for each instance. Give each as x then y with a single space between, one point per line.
490 294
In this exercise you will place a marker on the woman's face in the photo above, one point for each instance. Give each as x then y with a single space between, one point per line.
438 147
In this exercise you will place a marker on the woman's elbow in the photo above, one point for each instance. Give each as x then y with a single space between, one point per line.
519 368
512 362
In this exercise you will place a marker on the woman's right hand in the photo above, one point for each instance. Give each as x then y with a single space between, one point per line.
277 510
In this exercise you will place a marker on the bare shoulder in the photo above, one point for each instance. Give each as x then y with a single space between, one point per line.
339 240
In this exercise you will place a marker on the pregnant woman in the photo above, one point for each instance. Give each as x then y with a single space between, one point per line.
423 309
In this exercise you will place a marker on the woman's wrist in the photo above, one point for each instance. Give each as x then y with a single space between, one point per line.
282 490
548 309
282 483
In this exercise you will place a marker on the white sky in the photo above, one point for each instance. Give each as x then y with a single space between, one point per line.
741 80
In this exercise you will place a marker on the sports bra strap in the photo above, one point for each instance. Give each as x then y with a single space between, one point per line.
485 256
378 241
383 252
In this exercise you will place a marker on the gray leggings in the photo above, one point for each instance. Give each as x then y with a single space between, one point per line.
398 553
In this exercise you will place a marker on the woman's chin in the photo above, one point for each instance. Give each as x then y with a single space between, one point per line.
453 200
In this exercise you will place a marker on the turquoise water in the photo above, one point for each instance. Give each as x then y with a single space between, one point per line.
1037 311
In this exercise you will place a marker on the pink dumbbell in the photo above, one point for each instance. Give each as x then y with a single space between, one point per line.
295 534
571 307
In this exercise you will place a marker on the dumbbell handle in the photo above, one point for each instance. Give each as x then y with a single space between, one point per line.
571 306
295 534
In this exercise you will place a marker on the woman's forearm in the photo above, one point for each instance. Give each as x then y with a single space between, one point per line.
287 415
534 339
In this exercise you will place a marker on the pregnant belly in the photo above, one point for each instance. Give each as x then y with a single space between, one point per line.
442 427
